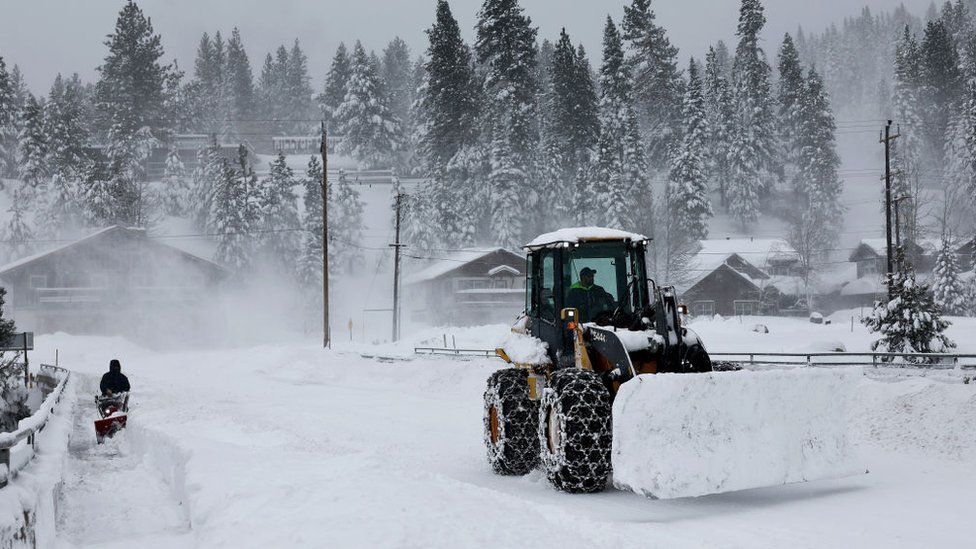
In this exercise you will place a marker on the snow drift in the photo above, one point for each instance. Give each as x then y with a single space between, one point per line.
682 435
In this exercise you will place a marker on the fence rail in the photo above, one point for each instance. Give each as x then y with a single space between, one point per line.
943 361
29 427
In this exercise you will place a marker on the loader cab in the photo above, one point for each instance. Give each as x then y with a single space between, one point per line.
559 276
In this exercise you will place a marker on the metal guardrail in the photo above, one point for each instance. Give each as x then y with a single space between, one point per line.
31 425
944 361
450 351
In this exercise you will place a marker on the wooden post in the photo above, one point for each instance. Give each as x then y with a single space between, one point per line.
396 269
326 338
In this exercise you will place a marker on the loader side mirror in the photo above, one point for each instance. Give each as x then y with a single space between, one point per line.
683 309
570 316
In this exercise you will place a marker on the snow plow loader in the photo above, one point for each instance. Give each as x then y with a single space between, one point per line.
607 383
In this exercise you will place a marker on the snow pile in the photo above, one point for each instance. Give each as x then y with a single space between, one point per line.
680 435
525 349
581 234
919 416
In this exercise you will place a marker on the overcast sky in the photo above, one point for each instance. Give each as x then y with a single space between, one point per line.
49 36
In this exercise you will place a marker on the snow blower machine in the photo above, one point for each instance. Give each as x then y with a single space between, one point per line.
113 412
606 382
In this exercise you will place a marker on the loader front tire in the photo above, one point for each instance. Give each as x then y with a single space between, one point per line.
510 423
575 431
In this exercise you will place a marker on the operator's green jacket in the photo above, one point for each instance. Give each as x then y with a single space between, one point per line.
590 300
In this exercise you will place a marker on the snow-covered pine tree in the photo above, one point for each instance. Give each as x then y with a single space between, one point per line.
17 235
131 92
278 205
658 87
397 78
229 217
907 150
753 143
67 127
8 129
948 290
335 86
817 217
688 201
571 126
544 67
32 153
208 85
910 322
943 86
789 96
370 132
299 107
719 117
613 191
310 260
239 87
176 185
505 48
207 177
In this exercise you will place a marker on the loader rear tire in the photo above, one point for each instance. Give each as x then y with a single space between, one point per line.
575 431
510 423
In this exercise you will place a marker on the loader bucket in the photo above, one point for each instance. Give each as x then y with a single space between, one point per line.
684 435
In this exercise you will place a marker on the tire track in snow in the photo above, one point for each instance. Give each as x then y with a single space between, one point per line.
113 495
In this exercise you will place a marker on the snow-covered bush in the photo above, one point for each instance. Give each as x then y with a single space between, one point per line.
13 394
910 322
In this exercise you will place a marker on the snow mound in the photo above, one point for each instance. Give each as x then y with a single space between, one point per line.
525 349
920 416
681 435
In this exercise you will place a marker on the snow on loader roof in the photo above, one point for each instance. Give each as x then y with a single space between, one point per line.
574 235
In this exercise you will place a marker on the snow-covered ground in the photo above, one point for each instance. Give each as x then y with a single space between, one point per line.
294 446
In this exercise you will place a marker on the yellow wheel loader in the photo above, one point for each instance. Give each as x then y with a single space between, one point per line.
628 392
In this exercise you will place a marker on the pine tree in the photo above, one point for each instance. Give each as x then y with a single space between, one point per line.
753 144
310 261
906 152
239 86
234 212
176 185
8 132
299 107
208 85
947 289
66 123
943 85
335 85
279 212
658 86
17 235
619 160
910 321
688 188
370 132
505 48
719 118
32 153
345 226
207 178
789 97
397 79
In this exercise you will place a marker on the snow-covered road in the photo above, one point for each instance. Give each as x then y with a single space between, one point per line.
299 447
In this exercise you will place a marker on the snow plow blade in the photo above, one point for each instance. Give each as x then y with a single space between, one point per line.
107 427
686 435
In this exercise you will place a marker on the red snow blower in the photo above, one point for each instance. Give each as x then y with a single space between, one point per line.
113 410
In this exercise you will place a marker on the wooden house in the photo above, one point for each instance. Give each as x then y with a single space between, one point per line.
107 282
470 287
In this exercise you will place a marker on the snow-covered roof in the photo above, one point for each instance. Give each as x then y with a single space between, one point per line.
31 258
450 262
703 265
758 251
503 268
574 235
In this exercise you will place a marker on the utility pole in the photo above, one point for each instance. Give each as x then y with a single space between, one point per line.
326 336
396 267
886 139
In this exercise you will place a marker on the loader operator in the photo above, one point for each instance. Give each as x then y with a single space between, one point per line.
114 381
588 297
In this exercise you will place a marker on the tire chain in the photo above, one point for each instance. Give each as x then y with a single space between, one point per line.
517 451
581 464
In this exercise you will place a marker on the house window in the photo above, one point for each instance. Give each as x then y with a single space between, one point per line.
703 308
780 269
745 308
38 281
